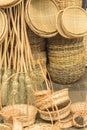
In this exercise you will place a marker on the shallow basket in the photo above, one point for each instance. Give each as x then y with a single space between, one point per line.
78 107
55 114
56 98
5 127
41 17
11 111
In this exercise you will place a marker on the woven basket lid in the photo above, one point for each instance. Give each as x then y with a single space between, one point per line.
59 26
42 15
9 3
3 24
74 20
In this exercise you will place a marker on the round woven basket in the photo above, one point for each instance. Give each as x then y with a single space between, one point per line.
56 98
80 119
61 113
5 127
11 111
3 27
65 123
74 21
78 107
9 3
41 17
66 59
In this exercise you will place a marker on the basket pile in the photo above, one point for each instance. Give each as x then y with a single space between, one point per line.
71 22
66 62
41 17
54 106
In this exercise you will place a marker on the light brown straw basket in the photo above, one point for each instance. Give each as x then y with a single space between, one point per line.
78 107
58 98
56 113
74 21
5 127
42 21
80 119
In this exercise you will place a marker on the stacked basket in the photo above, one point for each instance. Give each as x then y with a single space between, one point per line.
66 59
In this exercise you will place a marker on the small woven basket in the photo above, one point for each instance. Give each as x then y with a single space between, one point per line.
56 98
11 111
5 127
57 113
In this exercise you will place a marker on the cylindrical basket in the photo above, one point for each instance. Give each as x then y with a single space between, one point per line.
66 59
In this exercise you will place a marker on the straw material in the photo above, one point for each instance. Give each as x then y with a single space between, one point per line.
65 123
74 20
41 126
9 3
56 98
3 25
11 111
80 119
57 113
41 16
66 62
74 3
78 107
85 47
5 127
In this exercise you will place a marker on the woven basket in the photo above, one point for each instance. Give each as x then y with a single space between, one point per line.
56 98
55 114
66 60
65 123
22 121
11 111
80 119
74 3
74 21
5 127
44 23
3 27
9 3
78 107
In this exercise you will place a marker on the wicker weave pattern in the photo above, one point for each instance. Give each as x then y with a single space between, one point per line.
66 62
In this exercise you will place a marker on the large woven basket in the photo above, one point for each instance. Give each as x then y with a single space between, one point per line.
66 61
56 98
41 17
11 111
55 114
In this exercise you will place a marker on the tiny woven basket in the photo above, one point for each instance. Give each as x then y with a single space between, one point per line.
57 113
55 98
80 120
66 59
41 17
5 127
11 111
78 107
